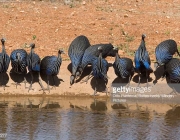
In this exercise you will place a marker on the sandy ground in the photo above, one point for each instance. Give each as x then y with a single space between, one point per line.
63 87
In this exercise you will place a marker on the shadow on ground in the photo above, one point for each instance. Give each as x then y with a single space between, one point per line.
142 80
4 79
53 80
17 78
100 85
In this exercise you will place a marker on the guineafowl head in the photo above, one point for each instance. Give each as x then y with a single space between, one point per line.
72 79
143 36
32 45
3 41
61 51
116 49
100 49
18 56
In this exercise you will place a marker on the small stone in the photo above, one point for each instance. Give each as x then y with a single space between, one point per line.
167 16
73 13
126 15
121 52
83 3
56 30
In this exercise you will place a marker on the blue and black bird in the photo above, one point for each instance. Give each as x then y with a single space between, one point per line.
165 51
123 67
4 60
33 62
99 68
92 52
76 52
18 59
50 66
142 61
172 70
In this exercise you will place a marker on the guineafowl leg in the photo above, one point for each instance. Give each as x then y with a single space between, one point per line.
86 80
54 86
48 83
16 83
106 89
94 102
139 78
129 81
147 77
25 81
32 77
3 80
163 76
95 90
40 83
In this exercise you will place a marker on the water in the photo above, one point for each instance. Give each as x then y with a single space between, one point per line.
61 118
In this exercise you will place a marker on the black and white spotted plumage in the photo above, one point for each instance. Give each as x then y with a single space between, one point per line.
165 51
142 60
50 66
19 61
173 70
123 67
76 51
4 58
92 52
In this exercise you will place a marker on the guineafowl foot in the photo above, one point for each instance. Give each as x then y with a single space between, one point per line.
155 82
4 86
173 92
95 92
53 87
25 81
163 78
30 88
86 80
44 89
105 91
16 84
83 81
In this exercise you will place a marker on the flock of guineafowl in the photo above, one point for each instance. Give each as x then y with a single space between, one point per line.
82 53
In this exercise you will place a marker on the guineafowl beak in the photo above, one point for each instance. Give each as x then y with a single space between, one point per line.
18 56
32 45
61 52
72 79
115 48
3 41
100 48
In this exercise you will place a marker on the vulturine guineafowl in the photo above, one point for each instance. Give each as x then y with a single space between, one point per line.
165 51
142 61
99 69
4 60
172 70
18 59
92 52
76 52
123 67
50 65
33 63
